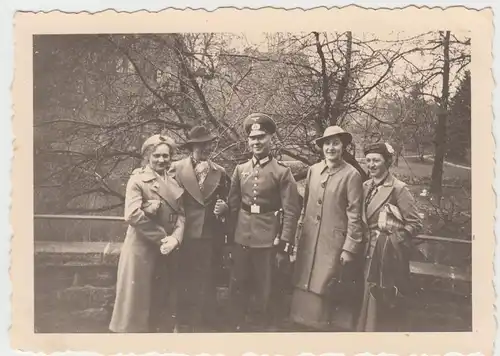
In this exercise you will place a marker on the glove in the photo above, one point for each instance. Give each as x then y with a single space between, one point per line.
220 207
169 243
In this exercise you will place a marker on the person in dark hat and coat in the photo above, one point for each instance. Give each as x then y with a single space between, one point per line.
206 186
329 240
261 190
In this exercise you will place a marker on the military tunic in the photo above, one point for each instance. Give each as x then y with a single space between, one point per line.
258 190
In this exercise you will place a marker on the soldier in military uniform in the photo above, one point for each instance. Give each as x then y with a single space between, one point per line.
260 189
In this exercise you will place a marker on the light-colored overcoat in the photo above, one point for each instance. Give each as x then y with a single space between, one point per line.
140 254
331 223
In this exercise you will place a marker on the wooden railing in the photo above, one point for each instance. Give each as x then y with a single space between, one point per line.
435 270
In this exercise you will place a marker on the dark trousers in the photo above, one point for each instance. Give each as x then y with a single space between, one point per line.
196 288
163 307
251 275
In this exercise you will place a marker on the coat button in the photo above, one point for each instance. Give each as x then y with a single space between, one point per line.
323 185
320 201
318 218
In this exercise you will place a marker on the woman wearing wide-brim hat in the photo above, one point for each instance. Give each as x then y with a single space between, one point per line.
329 240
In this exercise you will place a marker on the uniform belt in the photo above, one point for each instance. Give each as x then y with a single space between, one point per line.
266 208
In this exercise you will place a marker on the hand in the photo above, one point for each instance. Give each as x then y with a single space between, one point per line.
220 207
346 257
282 260
168 245
293 257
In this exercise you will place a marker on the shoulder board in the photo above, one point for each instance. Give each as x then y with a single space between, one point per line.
282 164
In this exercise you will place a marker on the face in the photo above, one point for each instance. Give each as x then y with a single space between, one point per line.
260 145
159 159
333 148
376 165
202 150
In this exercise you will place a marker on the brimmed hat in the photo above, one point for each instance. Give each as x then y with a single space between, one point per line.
199 134
155 140
331 131
259 124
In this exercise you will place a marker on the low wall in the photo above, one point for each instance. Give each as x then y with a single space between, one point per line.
75 282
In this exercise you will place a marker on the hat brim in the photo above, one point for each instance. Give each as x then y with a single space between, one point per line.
200 140
346 138
257 133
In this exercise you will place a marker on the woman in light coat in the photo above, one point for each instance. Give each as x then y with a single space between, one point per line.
145 286
391 219
329 240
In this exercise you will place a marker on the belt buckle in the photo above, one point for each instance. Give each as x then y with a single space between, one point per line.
255 209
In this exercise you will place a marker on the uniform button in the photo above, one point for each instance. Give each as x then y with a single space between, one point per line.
255 192
318 218
322 185
256 178
255 184
254 198
257 171
320 201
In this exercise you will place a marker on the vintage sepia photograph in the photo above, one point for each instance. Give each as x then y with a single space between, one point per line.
217 182
302 181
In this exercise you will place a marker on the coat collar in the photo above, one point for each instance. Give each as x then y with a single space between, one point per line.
383 193
166 188
185 173
262 162
324 167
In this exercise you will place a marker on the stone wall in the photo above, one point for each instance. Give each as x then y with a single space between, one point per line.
74 290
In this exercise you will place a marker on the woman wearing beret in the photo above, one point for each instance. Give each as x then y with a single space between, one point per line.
391 218
329 240
154 212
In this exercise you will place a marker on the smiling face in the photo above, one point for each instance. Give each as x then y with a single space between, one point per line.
333 148
202 150
376 164
160 158
260 145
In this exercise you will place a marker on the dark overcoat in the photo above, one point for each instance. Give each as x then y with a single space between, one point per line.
394 192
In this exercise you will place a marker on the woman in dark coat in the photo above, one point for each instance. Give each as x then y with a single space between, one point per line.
329 238
145 289
390 218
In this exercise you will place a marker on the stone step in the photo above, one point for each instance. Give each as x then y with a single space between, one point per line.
85 297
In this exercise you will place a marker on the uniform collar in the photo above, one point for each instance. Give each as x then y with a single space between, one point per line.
262 162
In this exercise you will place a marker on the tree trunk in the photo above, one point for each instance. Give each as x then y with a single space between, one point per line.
440 135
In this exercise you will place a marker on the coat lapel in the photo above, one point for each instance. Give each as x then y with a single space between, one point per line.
366 186
380 197
211 182
188 179
169 190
